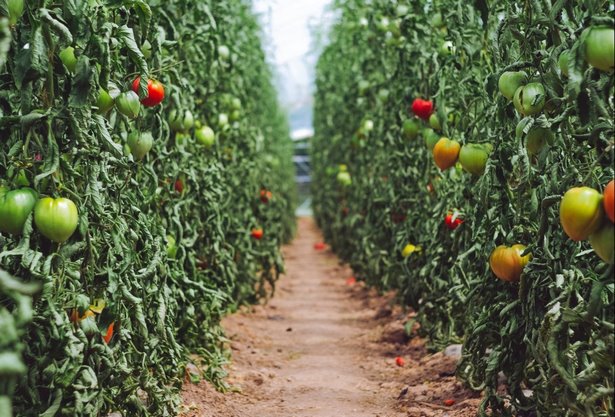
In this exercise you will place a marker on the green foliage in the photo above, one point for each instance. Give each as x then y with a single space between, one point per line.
551 333
164 242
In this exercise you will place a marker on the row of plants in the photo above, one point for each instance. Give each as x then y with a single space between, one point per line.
145 190
461 142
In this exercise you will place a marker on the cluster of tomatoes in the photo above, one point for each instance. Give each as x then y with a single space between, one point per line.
581 212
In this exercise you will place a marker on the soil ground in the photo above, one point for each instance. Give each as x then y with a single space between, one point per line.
326 347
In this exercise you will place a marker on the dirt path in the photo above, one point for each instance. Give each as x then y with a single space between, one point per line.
325 347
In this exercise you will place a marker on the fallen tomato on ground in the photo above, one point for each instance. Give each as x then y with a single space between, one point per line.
399 361
319 246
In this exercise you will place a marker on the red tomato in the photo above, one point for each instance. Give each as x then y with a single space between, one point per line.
179 185
319 246
452 220
155 92
609 200
400 361
257 233
351 281
422 108
449 402
107 337
266 196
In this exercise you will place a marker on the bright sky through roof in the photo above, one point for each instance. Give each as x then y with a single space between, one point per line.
286 24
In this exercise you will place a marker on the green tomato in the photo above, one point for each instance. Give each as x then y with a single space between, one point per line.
236 104
56 218
344 178
128 104
447 48
188 121
564 59
473 157
235 115
146 49
431 138
434 122
530 99
15 8
510 81
224 52
171 247
603 242
181 139
410 128
222 120
363 87
104 102
436 20
537 138
600 48
68 58
140 144
205 136
15 207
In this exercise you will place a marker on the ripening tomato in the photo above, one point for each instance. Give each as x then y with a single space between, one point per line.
410 128
530 99
453 220
15 207
205 136
507 263
155 92
473 157
56 218
609 200
257 233
128 104
422 108
581 212
510 81
600 47
140 144
603 242
68 58
446 153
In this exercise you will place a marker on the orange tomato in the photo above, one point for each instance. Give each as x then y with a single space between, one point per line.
507 263
446 153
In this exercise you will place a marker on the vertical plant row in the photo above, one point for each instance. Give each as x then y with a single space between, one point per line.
457 143
145 186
